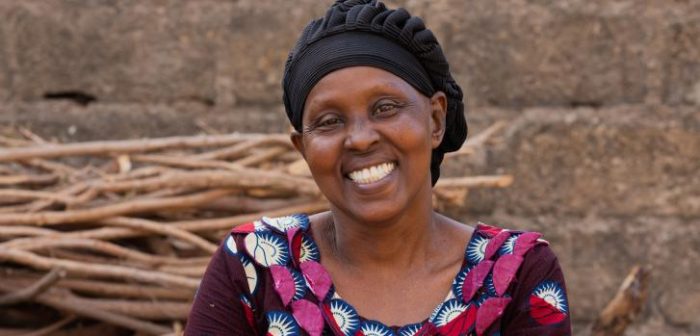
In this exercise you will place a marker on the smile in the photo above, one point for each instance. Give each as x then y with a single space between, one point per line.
372 174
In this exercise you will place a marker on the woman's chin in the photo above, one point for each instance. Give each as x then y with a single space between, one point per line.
374 213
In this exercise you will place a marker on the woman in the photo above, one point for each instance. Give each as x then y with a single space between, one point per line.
375 108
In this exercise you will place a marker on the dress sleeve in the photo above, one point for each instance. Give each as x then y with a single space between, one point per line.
540 305
218 307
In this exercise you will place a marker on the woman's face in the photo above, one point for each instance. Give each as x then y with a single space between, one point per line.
367 138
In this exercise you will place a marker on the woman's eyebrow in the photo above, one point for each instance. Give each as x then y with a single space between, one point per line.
322 100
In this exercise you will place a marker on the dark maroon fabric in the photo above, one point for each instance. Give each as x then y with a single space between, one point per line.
540 265
535 299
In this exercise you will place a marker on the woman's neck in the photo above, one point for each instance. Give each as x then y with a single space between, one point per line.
396 243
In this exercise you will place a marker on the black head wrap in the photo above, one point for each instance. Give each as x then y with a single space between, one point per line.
365 32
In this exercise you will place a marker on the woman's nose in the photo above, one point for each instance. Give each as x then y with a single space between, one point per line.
361 136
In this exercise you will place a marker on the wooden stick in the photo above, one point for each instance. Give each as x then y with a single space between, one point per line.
143 224
34 194
86 269
149 310
123 208
169 193
28 293
624 308
14 142
96 245
28 179
192 271
230 222
245 204
199 225
48 330
262 156
138 173
103 315
241 178
129 308
31 135
90 258
127 146
184 162
478 140
50 166
37 205
103 288
498 181
12 231
240 149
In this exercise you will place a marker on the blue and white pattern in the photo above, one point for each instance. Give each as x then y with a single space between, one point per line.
410 330
299 284
458 282
309 250
448 311
509 245
375 328
332 294
267 248
476 249
246 301
259 226
250 273
284 223
490 286
281 324
345 317
231 247
435 311
552 293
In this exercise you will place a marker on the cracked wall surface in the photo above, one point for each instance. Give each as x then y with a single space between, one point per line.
602 100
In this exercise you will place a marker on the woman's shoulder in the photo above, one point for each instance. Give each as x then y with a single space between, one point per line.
275 241
281 224
491 242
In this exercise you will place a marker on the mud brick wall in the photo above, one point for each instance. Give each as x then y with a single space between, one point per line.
602 100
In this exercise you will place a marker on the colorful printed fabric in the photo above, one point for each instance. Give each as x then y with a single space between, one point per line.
267 279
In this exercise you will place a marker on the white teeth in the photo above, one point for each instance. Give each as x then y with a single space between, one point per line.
372 174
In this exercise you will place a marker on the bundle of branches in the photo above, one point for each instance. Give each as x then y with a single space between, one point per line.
121 231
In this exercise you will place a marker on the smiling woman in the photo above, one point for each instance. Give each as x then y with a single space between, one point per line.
374 108
367 138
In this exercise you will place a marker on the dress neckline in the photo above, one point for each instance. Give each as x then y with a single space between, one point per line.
308 231
283 245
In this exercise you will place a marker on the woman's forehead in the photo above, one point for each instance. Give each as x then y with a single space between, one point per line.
357 80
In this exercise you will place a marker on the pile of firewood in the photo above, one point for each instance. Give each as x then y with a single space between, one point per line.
121 231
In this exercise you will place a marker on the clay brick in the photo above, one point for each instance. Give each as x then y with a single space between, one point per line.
622 161
70 122
527 53
682 81
116 51
509 53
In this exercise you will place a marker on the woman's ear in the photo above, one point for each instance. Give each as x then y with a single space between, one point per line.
438 105
298 142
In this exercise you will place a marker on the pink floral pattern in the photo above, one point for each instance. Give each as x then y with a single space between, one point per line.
299 298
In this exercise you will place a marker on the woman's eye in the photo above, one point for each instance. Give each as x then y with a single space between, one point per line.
386 109
328 122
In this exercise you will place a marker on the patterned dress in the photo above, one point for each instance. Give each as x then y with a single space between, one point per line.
266 279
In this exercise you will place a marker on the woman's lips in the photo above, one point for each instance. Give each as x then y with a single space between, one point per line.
372 174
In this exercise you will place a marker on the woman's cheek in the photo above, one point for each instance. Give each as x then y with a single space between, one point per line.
322 157
412 133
